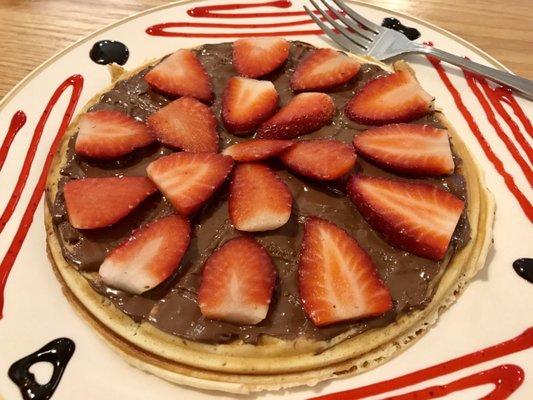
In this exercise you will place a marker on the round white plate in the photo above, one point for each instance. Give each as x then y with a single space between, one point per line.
497 306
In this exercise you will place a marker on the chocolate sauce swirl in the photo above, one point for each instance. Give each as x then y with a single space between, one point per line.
58 353
524 268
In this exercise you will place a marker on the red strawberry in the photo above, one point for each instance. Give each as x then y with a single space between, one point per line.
186 124
99 202
305 113
416 217
257 149
110 134
256 57
189 179
407 148
337 279
246 103
151 255
323 159
237 283
181 74
324 69
259 200
393 98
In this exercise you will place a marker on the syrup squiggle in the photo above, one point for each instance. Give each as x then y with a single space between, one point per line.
473 82
16 124
506 378
166 29
76 83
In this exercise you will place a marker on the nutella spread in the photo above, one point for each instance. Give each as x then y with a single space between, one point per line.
172 306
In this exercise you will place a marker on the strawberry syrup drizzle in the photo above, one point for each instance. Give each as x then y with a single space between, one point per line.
76 82
473 82
499 95
506 378
210 12
525 204
505 96
17 122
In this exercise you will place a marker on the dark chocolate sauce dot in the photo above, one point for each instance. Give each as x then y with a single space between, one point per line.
57 353
109 51
524 268
393 23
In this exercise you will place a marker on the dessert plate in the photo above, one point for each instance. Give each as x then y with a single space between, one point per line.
493 123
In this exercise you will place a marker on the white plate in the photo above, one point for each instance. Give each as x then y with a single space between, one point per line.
497 305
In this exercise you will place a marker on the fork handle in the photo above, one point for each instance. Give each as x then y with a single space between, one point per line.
521 85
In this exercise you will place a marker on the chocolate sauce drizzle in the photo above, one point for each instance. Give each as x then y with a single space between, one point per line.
58 353
524 268
393 23
109 51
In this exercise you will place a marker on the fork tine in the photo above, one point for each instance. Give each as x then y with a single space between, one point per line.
359 18
340 28
340 39
350 23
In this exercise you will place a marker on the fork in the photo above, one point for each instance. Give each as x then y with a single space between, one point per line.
359 35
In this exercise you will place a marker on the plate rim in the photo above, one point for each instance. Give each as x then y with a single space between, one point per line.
24 81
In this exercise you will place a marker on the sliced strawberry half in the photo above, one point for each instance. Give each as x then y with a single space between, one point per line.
110 134
181 74
99 202
237 283
189 179
416 217
259 200
305 113
246 103
393 98
324 69
407 148
255 57
337 278
151 255
322 159
257 149
186 124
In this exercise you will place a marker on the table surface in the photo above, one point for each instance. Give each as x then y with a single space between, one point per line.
32 31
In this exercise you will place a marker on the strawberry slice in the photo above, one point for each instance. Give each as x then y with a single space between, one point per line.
258 200
324 69
257 149
181 74
110 134
305 113
246 103
151 255
322 159
189 179
393 98
416 217
99 202
237 283
337 278
407 148
186 124
255 57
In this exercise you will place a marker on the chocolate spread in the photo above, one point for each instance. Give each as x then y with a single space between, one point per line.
172 306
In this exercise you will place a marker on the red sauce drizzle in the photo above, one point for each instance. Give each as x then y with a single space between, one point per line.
525 204
164 29
506 378
17 122
473 82
499 95
76 82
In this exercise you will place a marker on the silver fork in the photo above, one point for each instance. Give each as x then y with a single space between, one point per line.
359 35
